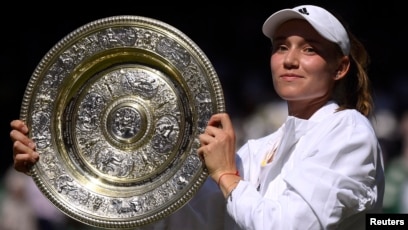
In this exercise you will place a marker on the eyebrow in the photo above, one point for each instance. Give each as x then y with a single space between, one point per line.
308 40
279 38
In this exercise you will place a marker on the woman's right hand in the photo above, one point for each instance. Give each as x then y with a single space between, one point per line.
24 153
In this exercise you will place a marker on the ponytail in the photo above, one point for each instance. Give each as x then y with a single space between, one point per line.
354 90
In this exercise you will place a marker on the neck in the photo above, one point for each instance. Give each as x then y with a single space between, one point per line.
304 109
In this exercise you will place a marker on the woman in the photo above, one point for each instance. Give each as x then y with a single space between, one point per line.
323 168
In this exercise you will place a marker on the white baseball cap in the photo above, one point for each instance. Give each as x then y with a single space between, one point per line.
326 24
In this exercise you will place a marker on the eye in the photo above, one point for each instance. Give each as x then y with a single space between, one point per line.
279 48
309 50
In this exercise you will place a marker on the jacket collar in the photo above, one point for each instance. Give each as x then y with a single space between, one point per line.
294 128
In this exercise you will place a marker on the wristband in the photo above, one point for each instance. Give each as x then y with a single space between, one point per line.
219 179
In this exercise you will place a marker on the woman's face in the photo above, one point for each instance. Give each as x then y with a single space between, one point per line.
304 64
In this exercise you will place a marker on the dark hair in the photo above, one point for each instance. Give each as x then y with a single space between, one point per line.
354 90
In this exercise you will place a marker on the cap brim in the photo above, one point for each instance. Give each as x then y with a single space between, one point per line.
277 19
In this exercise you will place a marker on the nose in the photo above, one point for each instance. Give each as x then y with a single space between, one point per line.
291 59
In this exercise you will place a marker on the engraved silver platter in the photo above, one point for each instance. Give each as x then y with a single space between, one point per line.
115 109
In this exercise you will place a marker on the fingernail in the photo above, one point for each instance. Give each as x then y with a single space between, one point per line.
31 145
35 157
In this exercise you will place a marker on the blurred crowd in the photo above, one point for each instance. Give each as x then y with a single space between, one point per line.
24 207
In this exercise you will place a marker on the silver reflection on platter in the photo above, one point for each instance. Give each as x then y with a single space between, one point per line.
115 109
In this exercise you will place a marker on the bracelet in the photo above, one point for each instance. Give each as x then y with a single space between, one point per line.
229 186
230 195
219 179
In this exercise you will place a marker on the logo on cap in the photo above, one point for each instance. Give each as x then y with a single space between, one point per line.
303 11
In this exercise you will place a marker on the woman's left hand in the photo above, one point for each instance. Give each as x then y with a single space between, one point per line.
218 146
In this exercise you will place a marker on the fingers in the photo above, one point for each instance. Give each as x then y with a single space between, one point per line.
201 154
205 139
19 131
221 120
17 135
24 153
217 149
220 127
20 148
24 156
19 125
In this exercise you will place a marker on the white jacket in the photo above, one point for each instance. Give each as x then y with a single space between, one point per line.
326 174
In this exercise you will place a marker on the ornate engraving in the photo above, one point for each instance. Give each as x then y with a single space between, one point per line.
115 109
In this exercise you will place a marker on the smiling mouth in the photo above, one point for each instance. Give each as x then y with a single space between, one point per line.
290 77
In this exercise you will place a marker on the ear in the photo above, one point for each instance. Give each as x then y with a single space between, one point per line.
343 68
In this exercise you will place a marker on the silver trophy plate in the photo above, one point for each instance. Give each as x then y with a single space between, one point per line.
115 109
